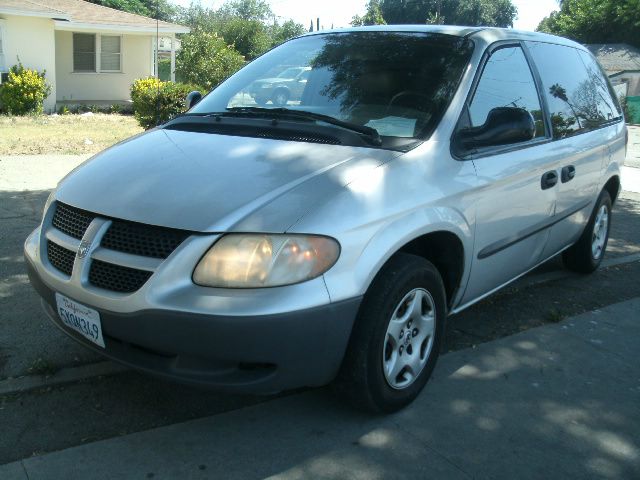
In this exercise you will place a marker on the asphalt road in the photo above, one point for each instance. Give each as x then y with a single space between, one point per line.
50 419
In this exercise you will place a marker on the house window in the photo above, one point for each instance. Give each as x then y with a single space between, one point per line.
3 67
110 53
84 52
97 53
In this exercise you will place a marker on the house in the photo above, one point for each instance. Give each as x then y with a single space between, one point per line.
91 53
622 64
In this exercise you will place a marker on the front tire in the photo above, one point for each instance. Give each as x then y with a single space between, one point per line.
280 97
397 336
586 254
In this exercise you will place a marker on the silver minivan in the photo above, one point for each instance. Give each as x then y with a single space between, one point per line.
258 248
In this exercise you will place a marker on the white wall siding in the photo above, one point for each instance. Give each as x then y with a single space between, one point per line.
32 41
136 50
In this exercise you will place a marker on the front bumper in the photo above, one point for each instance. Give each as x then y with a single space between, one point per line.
242 350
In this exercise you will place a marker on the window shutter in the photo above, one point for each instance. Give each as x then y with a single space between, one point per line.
84 52
110 53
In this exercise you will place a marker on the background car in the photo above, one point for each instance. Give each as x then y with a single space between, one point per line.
285 87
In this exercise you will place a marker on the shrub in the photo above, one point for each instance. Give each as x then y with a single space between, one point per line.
205 59
155 102
628 110
63 110
24 91
115 108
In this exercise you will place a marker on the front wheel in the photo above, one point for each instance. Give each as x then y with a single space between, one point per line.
280 97
586 254
397 336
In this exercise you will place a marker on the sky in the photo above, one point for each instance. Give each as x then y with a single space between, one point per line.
339 12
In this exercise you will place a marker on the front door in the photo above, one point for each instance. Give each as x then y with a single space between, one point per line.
516 195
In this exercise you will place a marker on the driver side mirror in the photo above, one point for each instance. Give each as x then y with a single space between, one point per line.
504 126
192 99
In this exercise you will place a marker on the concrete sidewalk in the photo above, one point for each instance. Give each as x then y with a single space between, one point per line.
560 401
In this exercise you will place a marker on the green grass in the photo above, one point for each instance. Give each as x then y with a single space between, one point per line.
41 366
64 134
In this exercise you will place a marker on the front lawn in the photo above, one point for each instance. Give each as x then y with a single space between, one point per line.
64 134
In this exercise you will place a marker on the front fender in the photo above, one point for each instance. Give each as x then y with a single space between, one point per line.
357 268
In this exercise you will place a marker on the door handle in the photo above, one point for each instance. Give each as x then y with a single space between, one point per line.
549 179
568 173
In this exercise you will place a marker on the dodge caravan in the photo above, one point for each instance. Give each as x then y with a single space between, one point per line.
258 247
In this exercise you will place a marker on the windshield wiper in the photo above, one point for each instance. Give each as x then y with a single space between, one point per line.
371 133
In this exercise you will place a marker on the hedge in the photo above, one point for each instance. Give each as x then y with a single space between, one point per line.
155 101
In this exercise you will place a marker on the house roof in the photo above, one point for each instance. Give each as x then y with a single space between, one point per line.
27 7
70 14
616 57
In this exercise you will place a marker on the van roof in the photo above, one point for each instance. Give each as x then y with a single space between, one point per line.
487 34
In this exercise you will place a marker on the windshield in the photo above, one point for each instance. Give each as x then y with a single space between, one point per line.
399 83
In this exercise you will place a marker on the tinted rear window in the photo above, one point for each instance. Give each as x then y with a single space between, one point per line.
577 93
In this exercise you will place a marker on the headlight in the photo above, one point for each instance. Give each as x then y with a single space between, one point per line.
256 260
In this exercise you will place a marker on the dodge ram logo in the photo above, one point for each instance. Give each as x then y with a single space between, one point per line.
83 249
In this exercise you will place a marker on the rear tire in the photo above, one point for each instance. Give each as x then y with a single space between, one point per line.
586 254
396 338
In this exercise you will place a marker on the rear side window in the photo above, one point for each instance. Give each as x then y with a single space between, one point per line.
577 93
604 94
506 81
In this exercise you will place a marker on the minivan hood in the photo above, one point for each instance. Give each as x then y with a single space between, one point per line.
211 183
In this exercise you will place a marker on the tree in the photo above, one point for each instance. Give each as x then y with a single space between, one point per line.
373 16
596 21
282 33
249 37
490 13
248 25
205 59
247 10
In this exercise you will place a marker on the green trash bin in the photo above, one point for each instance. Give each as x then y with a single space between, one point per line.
634 107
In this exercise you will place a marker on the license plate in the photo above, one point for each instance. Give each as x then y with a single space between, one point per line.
84 320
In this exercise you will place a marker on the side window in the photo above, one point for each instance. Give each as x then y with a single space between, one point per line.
576 91
506 81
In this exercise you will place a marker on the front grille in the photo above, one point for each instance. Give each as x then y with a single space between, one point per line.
116 278
61 258
72 221
122 236
144 240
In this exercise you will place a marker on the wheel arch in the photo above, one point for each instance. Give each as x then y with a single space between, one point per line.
613 187
445 251
440 235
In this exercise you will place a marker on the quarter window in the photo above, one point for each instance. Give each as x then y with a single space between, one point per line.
506 81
